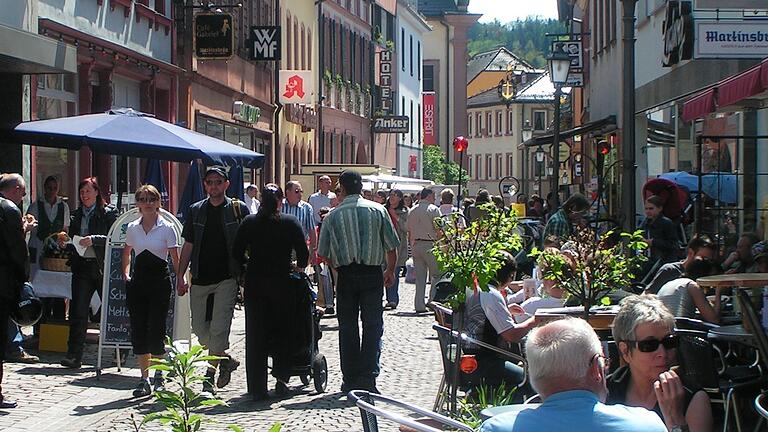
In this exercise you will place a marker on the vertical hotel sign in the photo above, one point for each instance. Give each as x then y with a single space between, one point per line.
429 118
385 81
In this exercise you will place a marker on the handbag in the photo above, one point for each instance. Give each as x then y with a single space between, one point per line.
28 309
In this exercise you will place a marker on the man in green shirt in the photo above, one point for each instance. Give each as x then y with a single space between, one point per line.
357 238
560 224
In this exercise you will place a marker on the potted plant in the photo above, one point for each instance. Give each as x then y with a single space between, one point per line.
390 45
589 267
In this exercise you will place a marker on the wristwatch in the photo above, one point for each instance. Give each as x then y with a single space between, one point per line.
680 428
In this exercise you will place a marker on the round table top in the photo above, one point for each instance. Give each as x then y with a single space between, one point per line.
732 333
494 411
736 279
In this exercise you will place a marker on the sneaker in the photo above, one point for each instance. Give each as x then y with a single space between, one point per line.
208 383
71 363
158 383
143 389
21 356
226 367
391 305
6 403
330 310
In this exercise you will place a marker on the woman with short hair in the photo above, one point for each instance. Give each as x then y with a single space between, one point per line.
398 214
151 238
644 331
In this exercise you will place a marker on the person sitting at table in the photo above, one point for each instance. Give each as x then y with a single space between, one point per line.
487 319
148 290
552 297
760 256
567 368
741 259
645 333
682 296
699 246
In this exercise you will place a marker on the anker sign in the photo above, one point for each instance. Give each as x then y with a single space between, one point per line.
391 124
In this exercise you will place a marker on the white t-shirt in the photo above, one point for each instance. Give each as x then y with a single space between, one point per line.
317 200
533 304
160 238
254 205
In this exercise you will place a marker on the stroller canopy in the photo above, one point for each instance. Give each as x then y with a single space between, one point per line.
674 196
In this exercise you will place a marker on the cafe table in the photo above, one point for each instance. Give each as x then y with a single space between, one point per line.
745 280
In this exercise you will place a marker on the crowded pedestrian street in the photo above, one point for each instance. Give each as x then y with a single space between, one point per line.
56 399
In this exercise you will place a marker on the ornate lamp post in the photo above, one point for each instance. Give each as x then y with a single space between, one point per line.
559 66
460 145
527 133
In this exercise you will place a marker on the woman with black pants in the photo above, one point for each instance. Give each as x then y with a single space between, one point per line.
148 291
269 238
91 221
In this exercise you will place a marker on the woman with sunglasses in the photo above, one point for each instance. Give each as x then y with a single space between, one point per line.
269 303
398 213
644 333
91 221
151 238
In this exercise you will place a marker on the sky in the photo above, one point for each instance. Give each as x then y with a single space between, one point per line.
510 10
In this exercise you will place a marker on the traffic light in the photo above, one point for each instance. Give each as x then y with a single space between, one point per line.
460 144
603 148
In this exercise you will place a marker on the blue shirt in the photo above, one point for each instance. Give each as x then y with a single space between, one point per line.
576 411
303 212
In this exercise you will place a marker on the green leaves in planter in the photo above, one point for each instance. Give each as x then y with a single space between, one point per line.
469 253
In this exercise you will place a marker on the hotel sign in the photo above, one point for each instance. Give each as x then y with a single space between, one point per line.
731 39
391 124
385 81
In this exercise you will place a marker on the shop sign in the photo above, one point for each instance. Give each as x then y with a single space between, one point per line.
413 163
385 80
295 87
731 39
730 4
213 36
677 32
265 43
302 115
429 120
573 49
245 112
391 124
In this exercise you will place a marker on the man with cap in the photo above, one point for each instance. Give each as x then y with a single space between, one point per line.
358 255
209 234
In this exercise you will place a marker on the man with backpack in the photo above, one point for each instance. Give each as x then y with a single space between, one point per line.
209 234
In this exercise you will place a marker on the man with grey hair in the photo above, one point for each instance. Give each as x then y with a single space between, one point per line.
568 369
14 262
301 210
422 233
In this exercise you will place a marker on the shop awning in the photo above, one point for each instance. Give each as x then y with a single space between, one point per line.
699 106
729 91
22 52
568 133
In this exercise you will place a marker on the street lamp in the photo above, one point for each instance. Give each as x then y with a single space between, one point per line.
559 66
527 133
460 145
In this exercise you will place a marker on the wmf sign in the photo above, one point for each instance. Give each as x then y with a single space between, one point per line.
265 43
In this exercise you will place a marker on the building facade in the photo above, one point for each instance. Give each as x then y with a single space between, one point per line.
412 28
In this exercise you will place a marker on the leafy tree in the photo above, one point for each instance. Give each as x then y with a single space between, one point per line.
526 38
435 167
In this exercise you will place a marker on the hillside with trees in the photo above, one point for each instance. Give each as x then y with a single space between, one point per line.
526 38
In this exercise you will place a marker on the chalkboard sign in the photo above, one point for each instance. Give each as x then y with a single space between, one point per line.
115 318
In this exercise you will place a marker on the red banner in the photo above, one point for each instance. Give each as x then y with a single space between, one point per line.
429 118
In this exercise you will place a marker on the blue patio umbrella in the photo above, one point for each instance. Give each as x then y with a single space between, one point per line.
193 191
717 185
154 176
235 189
125 132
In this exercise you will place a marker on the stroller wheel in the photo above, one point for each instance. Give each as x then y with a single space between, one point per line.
320 373
304 379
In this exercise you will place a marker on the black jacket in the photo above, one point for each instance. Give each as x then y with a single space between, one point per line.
665 243
98 227
14 260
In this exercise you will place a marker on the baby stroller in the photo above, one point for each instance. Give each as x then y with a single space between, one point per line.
307 361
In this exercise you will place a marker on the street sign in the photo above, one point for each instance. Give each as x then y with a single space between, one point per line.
572 48
575 79
213 37
295 87
265 43
731 39
392 124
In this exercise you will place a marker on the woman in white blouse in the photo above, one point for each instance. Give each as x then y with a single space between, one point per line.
148 291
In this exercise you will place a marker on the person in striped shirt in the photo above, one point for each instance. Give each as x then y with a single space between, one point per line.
357 238
301 210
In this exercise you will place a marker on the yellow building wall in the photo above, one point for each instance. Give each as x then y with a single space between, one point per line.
484 81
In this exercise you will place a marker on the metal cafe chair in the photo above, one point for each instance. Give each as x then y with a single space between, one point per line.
370 412
761 406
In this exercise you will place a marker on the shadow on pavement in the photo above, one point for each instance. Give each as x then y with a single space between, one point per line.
327 401
325 327
119 404
412 314
54 370
109 381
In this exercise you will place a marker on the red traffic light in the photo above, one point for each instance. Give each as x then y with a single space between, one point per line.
603 147
460 144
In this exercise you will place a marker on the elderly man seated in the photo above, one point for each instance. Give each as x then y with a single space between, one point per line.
568 369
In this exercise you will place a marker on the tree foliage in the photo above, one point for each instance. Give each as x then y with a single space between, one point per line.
434 167
525 38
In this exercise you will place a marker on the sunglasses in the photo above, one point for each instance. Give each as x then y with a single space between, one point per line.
214 182
299 191
147 199
651 345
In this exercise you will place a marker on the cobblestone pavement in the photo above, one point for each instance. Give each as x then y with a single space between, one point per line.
52 398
